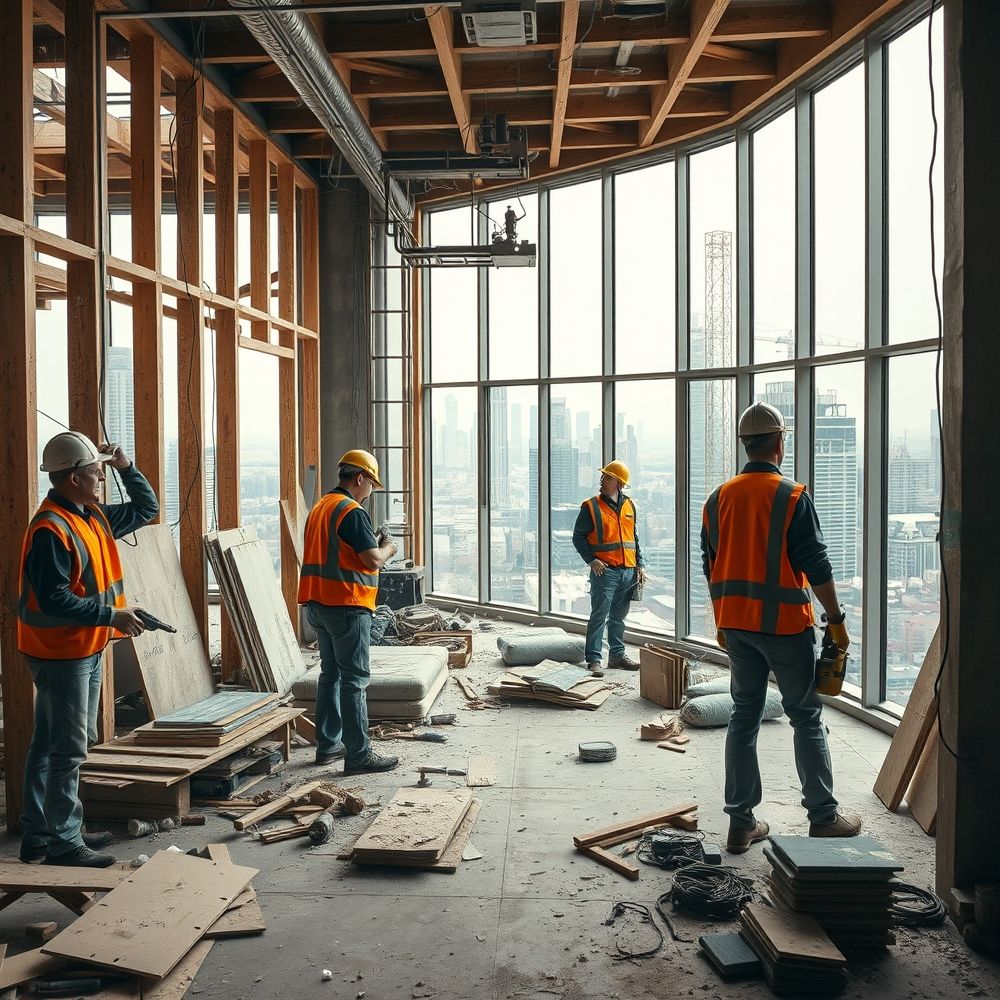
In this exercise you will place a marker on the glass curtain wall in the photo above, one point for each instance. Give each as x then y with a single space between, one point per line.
636 341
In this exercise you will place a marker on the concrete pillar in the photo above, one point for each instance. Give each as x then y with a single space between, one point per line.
969 784
345 358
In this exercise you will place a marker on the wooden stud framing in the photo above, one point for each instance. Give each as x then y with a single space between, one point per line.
19 485
570 17
260 221
441 24
190 345
309 349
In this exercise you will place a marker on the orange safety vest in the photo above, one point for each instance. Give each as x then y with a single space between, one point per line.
612 538
332 572
752 583
96 575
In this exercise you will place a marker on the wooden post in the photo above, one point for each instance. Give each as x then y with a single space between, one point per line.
19 483
260 223
416 513
147 297
969 783
309 349
227 367
288 395
190 345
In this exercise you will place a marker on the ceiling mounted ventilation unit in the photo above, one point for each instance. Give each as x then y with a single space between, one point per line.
498 23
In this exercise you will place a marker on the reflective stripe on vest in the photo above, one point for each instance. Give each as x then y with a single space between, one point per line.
775 600
611 539
95 575
332 572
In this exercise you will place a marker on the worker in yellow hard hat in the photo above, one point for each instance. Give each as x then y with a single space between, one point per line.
607 538
338 584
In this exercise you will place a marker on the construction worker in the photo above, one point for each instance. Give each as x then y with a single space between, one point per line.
761 541
338 585
607 538
71 606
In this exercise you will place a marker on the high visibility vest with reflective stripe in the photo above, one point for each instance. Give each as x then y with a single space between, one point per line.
613 536
752 583
332 572
96 575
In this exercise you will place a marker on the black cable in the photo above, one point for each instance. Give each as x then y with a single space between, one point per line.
671 848
618 910
913 906
709 890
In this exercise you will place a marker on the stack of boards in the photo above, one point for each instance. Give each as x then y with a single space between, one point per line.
557 683
423 828
215 718
845 883
256 608
797 955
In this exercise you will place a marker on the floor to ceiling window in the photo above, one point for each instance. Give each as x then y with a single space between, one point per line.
636 341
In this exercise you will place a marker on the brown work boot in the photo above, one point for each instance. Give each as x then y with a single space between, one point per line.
596 670
740 837
843 825
623 662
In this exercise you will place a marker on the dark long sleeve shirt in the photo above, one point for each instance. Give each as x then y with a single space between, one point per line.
806 546
585 525
48 563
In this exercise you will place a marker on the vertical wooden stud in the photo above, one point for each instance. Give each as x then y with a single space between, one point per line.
309 349
260 221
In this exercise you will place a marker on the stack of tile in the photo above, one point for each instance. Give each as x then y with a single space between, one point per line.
798 957
845 883
557 683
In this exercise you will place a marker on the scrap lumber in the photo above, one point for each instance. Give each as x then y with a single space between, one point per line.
671 745
42 931
306 728
913 732
605 836
467 689
661 728
28 965
416 824
175 895
243 916
175 985
19 877
290 798
922 795
612 861
481 771
662 676
689 821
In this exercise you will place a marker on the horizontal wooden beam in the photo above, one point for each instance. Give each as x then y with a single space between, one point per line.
264 347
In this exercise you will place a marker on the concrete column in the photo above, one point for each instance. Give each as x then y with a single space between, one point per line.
969 784
345 359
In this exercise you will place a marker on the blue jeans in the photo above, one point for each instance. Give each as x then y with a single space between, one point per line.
67 693
344 636
609 599
792 658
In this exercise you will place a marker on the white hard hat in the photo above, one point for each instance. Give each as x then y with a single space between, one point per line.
761 418
71 450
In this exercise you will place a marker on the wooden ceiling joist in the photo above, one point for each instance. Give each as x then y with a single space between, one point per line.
564 67
439 20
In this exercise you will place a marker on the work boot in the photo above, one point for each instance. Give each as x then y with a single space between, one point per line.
373 762
596 670
741 837
32 854
843 825
329 756
623 662
82 857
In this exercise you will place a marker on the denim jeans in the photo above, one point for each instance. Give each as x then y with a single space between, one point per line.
67 693
792 658
609 599
344 636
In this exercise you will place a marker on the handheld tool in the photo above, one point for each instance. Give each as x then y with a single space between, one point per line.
426 769
426 737
831 667
448 719
152 623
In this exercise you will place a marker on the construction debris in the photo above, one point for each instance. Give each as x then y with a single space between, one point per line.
302 805
663 727
569 686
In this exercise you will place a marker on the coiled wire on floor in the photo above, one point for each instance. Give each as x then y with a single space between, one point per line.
915 907
712 891
671 848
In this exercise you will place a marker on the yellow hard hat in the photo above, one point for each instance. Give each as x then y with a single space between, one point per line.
617 469
358 458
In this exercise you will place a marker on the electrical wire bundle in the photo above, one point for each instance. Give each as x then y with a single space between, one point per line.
708 890
620 909
915 907
671 848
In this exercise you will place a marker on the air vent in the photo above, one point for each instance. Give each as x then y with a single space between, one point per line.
489 23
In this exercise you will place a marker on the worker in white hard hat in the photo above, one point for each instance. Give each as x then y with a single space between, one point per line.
761 545
338 585
606 536
72 604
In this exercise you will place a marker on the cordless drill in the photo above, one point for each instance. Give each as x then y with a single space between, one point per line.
831 667
152 624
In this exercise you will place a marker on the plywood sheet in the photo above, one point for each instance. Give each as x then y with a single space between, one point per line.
417 823
174 668
175 985
481 771
152 920
922 797
219 709
16 876
28 965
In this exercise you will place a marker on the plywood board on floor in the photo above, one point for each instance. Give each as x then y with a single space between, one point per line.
151 921
417 823
481 771
177 983
15 876
173 667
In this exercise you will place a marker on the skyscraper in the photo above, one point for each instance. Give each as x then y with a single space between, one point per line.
516 439
910 483
119 415
499 450
836 486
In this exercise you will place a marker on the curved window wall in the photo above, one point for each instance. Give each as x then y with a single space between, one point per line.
790 261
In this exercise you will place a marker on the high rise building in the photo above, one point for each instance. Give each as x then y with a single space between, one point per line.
910 488
516 435
450 455
499 451
836 486
119 414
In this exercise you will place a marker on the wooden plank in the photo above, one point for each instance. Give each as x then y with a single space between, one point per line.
567 48
243 916
173 667
189 197
467 689
120 762
481 771
441 23
612 861
28 965
148 924
175 985
911 736
276 805
260 240
219 708
306 728
633 825
922 796
417 823
18 877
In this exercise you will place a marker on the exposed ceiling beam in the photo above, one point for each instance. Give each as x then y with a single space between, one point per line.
567 47
442 28
386 69
705 16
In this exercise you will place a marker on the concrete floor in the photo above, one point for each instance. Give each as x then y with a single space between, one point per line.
526 921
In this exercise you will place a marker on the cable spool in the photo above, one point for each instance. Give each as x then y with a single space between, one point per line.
599 751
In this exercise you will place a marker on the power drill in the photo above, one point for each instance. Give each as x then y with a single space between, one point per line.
831 667
152 624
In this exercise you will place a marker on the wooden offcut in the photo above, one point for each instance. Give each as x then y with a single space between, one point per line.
417 824
481 770
175 985
612 861
922 795
606 835
173 667
151 921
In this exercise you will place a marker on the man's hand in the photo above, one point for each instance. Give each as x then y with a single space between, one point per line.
598 567
391 548
127 621
836 629
120 460
641 575
720 638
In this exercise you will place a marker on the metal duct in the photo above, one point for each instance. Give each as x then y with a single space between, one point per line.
297 49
